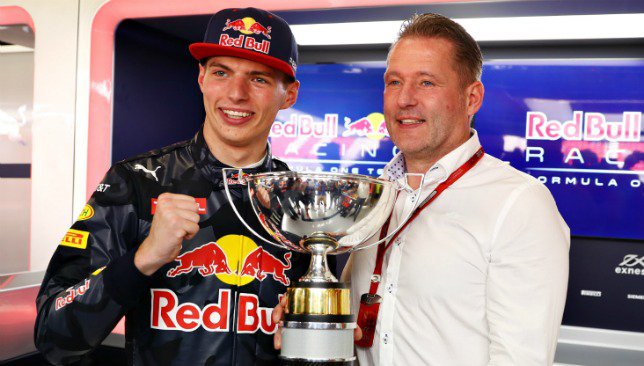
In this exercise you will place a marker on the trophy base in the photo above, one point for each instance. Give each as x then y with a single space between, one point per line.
318 326
317 346
297 362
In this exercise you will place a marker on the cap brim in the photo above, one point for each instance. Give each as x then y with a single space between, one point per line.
203 50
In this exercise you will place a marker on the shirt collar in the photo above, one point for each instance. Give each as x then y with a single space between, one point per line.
260 161
211 167
396 168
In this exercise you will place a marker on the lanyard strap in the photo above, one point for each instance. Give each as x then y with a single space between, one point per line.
383 247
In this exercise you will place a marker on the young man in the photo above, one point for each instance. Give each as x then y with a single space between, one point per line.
158 241
480 276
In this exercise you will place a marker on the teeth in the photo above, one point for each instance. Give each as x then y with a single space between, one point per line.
235 114
411 121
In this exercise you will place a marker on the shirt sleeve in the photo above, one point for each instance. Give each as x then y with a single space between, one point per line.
527 279
91 280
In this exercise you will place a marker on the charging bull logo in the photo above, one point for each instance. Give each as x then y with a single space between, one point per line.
209 259
247 25
234 179
234 260
372 126
260 263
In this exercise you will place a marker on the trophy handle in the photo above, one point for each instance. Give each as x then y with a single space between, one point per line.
224 173
399 187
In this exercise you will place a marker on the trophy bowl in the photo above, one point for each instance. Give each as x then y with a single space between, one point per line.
346 208
318 213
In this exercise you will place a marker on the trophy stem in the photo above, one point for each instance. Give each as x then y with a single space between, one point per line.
318 325
319 244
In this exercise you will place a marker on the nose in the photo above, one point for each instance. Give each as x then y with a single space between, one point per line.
407 95
238 89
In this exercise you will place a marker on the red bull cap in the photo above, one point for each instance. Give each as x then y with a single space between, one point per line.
252 34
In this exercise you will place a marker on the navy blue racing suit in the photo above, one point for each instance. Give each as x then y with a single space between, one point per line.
211 306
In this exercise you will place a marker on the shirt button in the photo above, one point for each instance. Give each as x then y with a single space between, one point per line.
390 288
385 338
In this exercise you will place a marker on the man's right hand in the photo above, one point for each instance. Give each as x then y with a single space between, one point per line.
176 218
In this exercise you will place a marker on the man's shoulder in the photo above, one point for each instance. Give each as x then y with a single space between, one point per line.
501 173
501 183
156 155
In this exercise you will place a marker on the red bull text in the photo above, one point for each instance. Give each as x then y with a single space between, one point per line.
168 314
71 294
588 127
304 125
242 41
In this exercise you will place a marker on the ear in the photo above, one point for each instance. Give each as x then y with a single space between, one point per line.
291 94
474 94
202 73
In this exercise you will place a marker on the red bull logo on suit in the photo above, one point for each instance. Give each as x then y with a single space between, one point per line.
260 263
235 260
208 259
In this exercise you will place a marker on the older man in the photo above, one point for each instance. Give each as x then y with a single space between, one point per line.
479 276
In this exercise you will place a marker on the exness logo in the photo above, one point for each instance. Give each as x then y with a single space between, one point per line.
631 265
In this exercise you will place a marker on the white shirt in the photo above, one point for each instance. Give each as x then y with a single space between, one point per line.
479 278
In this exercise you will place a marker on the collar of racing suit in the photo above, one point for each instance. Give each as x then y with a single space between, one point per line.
211 167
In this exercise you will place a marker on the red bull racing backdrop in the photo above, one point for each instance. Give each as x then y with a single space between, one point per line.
574 125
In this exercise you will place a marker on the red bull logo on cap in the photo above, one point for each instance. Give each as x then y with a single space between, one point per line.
246 26
372 126
234 260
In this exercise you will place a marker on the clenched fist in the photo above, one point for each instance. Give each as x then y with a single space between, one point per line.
176 218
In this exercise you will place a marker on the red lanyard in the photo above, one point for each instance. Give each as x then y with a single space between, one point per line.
370 302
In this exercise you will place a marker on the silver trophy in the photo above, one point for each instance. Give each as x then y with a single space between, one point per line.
318 213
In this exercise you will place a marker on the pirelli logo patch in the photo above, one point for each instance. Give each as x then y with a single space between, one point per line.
75 239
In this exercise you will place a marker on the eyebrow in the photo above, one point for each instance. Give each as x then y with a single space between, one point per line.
217 64
420 73
262 73
252 73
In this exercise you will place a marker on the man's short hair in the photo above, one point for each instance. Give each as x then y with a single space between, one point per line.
468 57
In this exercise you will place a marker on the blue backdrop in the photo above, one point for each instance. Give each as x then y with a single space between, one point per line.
593 165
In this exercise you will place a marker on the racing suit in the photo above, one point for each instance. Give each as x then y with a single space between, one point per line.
211 306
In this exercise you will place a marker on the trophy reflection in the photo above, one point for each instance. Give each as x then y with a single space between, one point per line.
321 214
